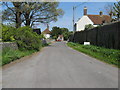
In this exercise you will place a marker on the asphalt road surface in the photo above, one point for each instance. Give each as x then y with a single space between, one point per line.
58 66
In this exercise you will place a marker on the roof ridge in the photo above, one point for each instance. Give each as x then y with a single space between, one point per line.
97 15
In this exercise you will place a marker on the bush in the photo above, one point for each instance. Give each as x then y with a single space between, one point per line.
89 26
8 33
27 39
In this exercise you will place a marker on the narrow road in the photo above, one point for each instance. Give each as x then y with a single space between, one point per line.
58 66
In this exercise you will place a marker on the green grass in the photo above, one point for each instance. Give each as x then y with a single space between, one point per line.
9 55
110 56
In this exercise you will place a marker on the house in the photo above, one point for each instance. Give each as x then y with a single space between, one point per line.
95 20
60 38
47 32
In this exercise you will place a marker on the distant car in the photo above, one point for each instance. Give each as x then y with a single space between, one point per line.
59 40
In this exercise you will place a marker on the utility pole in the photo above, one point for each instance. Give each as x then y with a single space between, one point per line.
74 7
73 19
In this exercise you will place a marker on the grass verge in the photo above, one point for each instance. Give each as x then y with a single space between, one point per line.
110 56
9 55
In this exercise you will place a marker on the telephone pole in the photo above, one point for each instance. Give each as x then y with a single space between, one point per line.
73 19
74 7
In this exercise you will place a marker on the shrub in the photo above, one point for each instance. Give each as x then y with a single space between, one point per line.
8 33
89 26
27 39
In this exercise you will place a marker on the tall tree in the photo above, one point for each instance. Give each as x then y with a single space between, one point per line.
56 31
18 13
31 12
13 14
117 9
113 10
109 8
43 12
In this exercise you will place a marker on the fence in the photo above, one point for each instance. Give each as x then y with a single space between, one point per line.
106 36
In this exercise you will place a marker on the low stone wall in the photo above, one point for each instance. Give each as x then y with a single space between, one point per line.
12 45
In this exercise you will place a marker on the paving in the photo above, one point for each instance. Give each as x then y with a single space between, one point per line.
58 66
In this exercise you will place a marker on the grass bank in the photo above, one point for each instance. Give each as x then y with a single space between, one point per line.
9 55
110 56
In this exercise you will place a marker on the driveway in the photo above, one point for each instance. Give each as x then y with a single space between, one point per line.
58 66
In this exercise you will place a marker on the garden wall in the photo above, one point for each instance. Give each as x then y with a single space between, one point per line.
106 36
12 45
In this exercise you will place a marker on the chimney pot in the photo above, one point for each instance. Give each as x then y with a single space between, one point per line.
101 13
110 14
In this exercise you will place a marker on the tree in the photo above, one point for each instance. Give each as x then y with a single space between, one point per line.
13 14
109 9
116 7
65 33
29 13
56 31
113 10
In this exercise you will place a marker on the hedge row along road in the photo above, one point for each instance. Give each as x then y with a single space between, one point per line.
58 66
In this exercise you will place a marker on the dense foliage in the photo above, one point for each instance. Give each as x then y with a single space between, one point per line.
8 33
24 36
56 31
27 39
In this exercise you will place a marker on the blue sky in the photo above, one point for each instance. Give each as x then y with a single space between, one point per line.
66 19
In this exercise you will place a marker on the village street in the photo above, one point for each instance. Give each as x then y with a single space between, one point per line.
58 66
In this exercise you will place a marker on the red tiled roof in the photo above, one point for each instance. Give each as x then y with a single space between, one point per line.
99 19
46 31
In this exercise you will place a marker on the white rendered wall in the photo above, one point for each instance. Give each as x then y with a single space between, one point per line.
82 22
47 36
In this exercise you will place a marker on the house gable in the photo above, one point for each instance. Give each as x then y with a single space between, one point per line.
82 22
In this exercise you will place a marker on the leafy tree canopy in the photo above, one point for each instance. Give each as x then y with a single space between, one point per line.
56 31
29 13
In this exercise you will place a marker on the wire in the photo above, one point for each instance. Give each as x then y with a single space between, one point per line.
80 4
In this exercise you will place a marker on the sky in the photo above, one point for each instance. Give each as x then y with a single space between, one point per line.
66 21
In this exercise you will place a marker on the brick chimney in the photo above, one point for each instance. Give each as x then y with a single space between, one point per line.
110 14
85 10
101 13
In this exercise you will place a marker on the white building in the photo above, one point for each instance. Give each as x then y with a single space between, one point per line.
46 32
60 38
95 20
